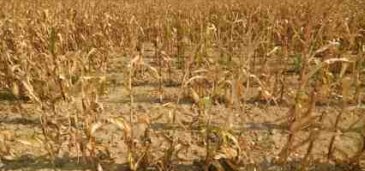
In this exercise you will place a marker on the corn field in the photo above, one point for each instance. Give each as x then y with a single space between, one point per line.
169 85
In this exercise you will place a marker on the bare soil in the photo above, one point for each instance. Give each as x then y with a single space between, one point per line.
261 129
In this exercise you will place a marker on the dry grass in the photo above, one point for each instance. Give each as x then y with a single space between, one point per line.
60 62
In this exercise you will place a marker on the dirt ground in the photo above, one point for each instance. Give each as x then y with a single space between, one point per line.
261 130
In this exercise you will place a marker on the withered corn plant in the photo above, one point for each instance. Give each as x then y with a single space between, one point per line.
58 61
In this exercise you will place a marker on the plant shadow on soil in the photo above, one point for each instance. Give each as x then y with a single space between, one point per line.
28 162
21 121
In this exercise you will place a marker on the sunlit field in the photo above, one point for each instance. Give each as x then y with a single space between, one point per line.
182 85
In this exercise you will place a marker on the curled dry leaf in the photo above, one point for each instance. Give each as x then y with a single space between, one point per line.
30 90
34 142
15 89
94 127
333 60
154 71
226 152
194 78
136 60
195 96
122 124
